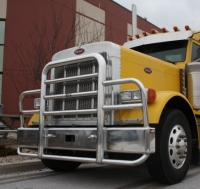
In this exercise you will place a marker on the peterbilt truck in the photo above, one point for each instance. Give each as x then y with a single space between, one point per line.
124 105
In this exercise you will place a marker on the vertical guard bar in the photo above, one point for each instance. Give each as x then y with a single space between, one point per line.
100 112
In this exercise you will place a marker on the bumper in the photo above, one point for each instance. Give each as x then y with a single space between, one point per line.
122 140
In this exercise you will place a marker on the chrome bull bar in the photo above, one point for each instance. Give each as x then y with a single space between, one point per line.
101 108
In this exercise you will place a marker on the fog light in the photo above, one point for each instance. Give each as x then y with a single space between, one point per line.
36 102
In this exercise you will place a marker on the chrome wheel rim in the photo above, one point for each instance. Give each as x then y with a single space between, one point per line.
177 146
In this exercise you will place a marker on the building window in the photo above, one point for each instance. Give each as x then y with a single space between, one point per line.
2 37
2 32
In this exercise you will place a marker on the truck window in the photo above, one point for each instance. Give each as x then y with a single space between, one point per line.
173 51
195 52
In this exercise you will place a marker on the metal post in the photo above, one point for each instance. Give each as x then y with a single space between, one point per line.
134 19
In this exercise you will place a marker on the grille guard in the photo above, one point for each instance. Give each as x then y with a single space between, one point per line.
101 108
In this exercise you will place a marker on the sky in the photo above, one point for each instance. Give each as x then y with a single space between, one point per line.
167 13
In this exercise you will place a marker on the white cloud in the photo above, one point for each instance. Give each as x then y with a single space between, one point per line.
167 13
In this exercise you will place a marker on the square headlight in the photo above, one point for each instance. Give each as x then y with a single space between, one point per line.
125 96
130 96
136 95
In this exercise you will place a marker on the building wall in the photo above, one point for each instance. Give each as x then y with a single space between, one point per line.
26 20
23 20
93 22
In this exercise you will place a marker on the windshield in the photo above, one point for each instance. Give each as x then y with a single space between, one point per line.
173 51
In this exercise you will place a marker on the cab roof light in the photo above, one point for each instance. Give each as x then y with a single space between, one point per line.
151 95
138 36
164 30
153 31
145 33
187 27
175 28
130 38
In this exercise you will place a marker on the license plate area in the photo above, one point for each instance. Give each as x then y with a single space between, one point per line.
71 139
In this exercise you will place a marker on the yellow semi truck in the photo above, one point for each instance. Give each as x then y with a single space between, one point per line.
125 105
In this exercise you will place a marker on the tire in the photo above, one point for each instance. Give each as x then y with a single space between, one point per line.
171 161
60 166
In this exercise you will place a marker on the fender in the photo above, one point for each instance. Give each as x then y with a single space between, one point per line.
34 119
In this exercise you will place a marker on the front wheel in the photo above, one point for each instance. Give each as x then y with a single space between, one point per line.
60 166
170 163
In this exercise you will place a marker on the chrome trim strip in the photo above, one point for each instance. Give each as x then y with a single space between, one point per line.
120 107
68 158
71 149
30 111
70 112
70 95
70 122
88 160
53 81
121 162
19 151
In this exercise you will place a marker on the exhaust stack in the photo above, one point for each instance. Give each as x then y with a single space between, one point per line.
134 19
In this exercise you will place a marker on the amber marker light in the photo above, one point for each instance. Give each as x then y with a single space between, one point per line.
176 29
153 31
164 30
130 38
151 95
145 33
137 36
187 27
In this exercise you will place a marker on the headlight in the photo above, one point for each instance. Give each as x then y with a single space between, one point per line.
135 96
130 96
125 96
36 102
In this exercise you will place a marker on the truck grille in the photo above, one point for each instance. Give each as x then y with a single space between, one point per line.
82 68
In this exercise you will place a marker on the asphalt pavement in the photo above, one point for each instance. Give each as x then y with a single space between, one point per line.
21 167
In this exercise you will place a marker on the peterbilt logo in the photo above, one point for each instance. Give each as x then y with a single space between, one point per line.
148 70
79 51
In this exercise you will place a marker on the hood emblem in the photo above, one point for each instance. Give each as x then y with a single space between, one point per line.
148 70
79 51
